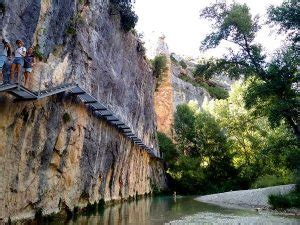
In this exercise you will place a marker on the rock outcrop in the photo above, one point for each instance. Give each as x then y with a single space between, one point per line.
174 91
54 153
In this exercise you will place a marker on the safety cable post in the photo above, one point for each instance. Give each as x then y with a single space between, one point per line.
40 85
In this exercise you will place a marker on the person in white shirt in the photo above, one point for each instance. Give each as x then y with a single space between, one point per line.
18 62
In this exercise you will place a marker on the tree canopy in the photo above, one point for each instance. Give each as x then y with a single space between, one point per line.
271 93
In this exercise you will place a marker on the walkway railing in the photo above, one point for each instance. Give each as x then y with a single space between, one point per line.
35 90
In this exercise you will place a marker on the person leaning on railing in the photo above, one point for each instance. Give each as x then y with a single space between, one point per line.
5 53
6 70
18 62
29 61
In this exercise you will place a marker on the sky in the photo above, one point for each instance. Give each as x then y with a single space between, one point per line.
179 21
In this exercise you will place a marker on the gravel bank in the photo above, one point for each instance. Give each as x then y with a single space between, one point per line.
255 198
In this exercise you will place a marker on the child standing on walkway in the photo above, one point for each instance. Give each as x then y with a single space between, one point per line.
29 61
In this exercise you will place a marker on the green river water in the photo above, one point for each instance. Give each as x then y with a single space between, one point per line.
185 210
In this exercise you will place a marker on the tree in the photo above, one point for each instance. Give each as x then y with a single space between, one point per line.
288 17
257 148
204 157
167 147
126 12
271 93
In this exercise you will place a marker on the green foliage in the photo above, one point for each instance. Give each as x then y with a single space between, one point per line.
200 72
71 28
173 58
272 180
66 117
258 149
217 92
38 214
167 147
233 22
214 91
37 53
287 16
128 16
183 64
285 201
204 162
271 94
224 146
159 66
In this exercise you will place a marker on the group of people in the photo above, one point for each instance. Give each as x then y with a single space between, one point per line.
13 62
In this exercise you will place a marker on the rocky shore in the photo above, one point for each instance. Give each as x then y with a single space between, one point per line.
255 198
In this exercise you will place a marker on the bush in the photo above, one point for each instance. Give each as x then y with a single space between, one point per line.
167 147
72 25
173 58
66 117
215 92
271 180
183 64
159 66
37 53
199 72
289 200
128 16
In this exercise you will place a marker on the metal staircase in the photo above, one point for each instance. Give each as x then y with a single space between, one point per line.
99 109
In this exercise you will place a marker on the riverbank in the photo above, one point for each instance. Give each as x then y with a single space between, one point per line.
254 199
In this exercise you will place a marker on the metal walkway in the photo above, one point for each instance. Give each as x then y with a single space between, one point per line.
100 110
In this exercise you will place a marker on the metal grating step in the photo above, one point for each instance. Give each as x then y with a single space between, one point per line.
6 87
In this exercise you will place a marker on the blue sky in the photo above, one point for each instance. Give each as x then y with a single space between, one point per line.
179 21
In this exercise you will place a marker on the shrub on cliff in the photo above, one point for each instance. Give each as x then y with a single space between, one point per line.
159 66
183 64
125 9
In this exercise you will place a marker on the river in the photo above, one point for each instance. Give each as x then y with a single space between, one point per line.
183 210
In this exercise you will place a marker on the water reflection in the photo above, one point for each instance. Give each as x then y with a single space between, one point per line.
185 210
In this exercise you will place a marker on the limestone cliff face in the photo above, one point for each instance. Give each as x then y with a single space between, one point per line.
174 91
164 102
54 153
185 92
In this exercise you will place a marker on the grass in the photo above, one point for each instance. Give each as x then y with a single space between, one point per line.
272 180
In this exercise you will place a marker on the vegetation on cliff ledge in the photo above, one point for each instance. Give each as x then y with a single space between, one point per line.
127 14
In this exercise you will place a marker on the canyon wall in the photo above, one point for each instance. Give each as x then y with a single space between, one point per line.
54 153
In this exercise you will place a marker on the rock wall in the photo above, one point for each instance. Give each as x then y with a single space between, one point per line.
164 99
185 92
172 92
54 153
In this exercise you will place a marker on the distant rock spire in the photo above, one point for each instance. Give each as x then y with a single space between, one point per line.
162 46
